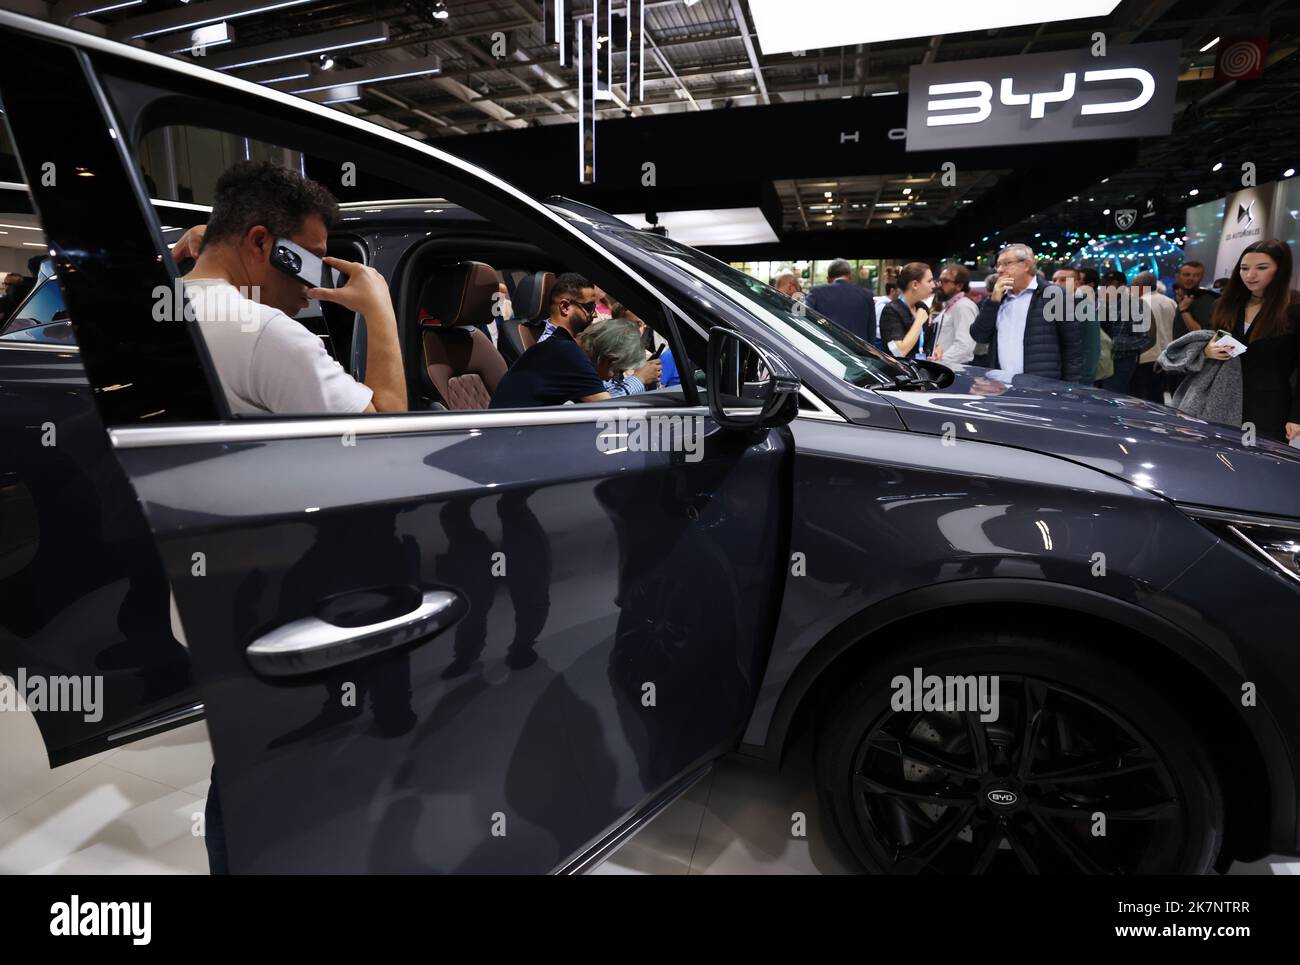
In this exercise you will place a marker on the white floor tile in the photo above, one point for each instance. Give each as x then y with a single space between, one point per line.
180 758
92 822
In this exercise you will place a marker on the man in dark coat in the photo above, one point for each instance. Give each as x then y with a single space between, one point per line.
847 305
1027 323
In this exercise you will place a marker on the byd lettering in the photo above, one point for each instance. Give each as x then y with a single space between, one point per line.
980 106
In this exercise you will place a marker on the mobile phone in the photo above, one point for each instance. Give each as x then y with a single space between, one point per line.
295 260
658 352
1223 333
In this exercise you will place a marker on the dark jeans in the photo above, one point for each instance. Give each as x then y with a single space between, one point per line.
1123 375
214 831
1148 383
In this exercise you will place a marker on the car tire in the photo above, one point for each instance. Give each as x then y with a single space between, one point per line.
906 789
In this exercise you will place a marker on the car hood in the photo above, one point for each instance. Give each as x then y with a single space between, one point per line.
1152 446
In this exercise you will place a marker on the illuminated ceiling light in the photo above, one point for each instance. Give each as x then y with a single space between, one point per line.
884 93
201 38
889 221
374 75
212 11
1217 167
828 194
326 62
96 9
440 11
1194 192
1288 172
1105 210
907 190
841 23
1209 45
311 45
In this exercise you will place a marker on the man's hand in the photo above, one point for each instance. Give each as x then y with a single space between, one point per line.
650 373
1001 287
1292 430
187 246
937 355
365 293
1185 303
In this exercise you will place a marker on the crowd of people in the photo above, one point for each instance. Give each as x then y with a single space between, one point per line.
1073 324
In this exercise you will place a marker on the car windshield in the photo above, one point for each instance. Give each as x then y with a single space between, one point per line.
838 351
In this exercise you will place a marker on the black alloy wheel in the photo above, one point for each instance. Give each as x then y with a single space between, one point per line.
1086 769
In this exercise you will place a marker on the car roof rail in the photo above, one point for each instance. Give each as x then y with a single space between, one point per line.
587 211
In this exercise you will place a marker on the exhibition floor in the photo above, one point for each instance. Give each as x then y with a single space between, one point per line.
130 811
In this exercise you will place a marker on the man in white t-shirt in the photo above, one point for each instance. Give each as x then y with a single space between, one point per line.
268 362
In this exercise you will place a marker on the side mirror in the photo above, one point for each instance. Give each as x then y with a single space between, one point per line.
748 387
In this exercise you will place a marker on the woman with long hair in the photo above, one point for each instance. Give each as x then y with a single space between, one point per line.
1260 310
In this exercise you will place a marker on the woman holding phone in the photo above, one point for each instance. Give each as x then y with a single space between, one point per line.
1259 310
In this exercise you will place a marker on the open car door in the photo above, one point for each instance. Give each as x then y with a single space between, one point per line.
440 642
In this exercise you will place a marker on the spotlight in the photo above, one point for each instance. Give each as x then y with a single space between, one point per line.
1194 192
1217 167
1209 45
326 62
1288 172
1105 210
440 11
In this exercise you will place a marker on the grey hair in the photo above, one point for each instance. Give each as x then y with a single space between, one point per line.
839 268
1022 253
1144 279
782 276
617 339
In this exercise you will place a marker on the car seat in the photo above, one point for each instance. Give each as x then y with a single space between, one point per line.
460 362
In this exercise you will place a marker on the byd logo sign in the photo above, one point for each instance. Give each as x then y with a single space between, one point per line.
980 107
1041 98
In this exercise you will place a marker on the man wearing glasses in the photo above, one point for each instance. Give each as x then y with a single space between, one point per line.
556 370
1013 321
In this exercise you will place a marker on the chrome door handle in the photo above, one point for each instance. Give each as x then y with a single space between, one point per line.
310 644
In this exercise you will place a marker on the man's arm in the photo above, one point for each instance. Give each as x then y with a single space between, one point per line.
1070 336
366 293
986 321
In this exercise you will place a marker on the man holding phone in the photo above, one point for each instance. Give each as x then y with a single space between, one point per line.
1013 320
244 296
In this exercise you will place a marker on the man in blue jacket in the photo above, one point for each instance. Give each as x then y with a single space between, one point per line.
1020 324
844 303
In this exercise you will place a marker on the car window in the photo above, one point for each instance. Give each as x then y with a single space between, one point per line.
838 351
42 318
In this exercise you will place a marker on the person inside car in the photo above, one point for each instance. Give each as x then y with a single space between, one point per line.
614 347
556 370
268 362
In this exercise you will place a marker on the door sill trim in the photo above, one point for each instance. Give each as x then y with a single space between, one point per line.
169 719
591 857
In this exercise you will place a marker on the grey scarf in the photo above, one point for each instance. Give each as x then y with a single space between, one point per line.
1212 388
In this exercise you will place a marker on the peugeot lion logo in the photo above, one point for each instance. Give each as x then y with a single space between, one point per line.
1125 217
1004 798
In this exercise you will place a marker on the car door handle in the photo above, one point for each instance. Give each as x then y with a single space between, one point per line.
311 644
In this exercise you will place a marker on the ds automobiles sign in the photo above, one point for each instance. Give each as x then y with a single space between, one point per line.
1040 98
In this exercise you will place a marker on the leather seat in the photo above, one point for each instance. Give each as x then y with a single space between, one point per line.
532 305
460 362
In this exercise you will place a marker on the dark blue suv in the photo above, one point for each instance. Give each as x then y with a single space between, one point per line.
1034 627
